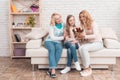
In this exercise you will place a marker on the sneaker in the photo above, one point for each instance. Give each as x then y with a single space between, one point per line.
86 72
53 75
66 70
77 66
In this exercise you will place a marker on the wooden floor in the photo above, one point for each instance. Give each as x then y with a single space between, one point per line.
20 69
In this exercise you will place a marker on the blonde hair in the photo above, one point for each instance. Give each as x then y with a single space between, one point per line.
88 17
68 24
52 22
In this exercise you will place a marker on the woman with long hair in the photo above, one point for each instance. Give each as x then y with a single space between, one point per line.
71 44
93 41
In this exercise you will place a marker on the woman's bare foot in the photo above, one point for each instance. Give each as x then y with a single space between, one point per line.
53 75
86 72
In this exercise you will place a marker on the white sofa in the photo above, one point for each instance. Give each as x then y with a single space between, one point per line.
99 59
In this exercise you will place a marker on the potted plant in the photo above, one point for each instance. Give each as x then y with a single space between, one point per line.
30 21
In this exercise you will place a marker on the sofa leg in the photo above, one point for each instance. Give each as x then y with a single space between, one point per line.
33 67
112 67
112 72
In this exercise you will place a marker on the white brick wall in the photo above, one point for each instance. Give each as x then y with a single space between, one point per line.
105 12
4 33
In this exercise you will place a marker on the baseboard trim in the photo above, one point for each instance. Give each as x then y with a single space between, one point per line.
40 66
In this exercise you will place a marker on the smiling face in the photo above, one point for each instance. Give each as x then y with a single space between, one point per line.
58 19
85 19
55 19
82 18
71 21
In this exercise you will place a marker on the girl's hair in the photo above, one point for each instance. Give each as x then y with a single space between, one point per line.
52 22
68 24
88 17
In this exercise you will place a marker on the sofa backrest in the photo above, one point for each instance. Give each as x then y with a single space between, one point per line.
108 33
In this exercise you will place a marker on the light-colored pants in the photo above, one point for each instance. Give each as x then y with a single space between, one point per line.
84 51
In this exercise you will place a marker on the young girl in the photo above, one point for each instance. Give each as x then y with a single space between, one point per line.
53 42
71 44
93 41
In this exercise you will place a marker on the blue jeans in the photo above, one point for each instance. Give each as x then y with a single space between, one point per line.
71 52
55 51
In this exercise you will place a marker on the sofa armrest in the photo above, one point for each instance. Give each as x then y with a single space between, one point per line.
34 43
111 43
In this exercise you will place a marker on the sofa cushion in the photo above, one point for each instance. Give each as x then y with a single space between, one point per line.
36 33
33 44
43 52
111 44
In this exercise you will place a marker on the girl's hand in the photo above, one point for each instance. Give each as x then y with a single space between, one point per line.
74 41
65 36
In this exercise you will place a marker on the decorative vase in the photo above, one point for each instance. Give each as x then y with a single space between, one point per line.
34 8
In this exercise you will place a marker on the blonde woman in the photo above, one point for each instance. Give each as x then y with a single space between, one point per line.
93 41
71 44
53 43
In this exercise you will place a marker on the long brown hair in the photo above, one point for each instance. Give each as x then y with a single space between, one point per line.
52 22
68 24
88 17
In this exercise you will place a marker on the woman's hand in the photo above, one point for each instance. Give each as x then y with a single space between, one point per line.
65 35
82 35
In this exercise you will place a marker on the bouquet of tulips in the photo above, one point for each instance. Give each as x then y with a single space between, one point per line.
79 33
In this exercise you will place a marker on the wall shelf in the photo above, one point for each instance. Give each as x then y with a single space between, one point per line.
25 13
20 12
21 28
19 42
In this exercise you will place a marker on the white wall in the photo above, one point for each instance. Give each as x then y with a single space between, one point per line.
4 33
105 12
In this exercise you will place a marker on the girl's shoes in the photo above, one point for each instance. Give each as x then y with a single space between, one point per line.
66 70
77 66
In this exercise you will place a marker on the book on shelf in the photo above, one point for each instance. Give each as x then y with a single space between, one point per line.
13 8
17 38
